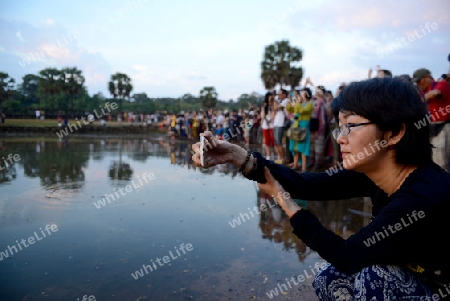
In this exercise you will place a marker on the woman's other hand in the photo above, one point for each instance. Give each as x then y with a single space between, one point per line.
272 187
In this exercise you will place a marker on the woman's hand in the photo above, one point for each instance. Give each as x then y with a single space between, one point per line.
272 187
216 151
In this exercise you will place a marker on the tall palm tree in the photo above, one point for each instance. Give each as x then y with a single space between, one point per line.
294 77
208 97
28 90
6 87
50 82
280 65
29 85
120 86
72 81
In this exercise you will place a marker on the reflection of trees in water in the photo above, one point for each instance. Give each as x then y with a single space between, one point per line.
119 170
96 150
337 216
53 162
63 163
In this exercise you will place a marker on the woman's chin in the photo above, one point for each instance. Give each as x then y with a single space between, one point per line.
348 163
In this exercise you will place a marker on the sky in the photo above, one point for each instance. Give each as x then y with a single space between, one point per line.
169 48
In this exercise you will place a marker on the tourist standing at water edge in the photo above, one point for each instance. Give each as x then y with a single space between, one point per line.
319 133
437 96
267 115
279 107
302 109
402 254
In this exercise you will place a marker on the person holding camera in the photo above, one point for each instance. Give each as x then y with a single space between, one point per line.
402 253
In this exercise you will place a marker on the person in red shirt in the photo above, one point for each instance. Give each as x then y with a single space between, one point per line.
437 95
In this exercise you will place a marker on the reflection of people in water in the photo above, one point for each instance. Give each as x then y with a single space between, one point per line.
385 157
275 226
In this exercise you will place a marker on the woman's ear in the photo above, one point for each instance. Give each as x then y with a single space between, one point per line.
392 139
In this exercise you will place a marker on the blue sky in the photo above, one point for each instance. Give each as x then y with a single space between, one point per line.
170 48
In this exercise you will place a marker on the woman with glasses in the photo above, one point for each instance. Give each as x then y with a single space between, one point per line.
402 254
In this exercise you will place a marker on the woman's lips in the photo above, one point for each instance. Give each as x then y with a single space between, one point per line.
345 154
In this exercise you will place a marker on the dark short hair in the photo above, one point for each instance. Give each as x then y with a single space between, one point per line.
284 91
322 88
389 103
387 73
404 77
308 92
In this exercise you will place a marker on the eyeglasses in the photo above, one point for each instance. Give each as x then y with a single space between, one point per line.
344 130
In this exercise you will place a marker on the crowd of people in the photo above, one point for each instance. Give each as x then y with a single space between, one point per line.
309 107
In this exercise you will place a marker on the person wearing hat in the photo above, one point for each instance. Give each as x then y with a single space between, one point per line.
437 96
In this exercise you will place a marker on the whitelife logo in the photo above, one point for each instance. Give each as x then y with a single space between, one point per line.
281 287
243 217
414 217
166 259
49 49
90 118
11 250
361 155
404 41
110 197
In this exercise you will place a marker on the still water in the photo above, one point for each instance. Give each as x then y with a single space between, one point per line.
114 218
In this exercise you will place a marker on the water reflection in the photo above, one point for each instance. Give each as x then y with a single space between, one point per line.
120 170
57 181
275 226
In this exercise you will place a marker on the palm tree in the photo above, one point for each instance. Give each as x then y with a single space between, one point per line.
120 86
294 77
50 82
6 87
280 65
72 82
29 88
208 97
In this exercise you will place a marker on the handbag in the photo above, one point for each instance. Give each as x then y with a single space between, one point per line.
296 134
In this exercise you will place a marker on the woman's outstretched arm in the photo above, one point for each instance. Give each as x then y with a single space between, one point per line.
330 185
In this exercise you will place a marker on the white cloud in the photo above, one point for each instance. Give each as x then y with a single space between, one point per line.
19 35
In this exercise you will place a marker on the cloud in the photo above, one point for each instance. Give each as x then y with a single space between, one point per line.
19 35
29 49
383 14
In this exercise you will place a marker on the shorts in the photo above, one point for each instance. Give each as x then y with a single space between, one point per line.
268 137
278 135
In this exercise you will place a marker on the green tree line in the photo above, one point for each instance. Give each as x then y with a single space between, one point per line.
63 90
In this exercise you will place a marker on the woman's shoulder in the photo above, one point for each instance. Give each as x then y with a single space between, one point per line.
428 182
